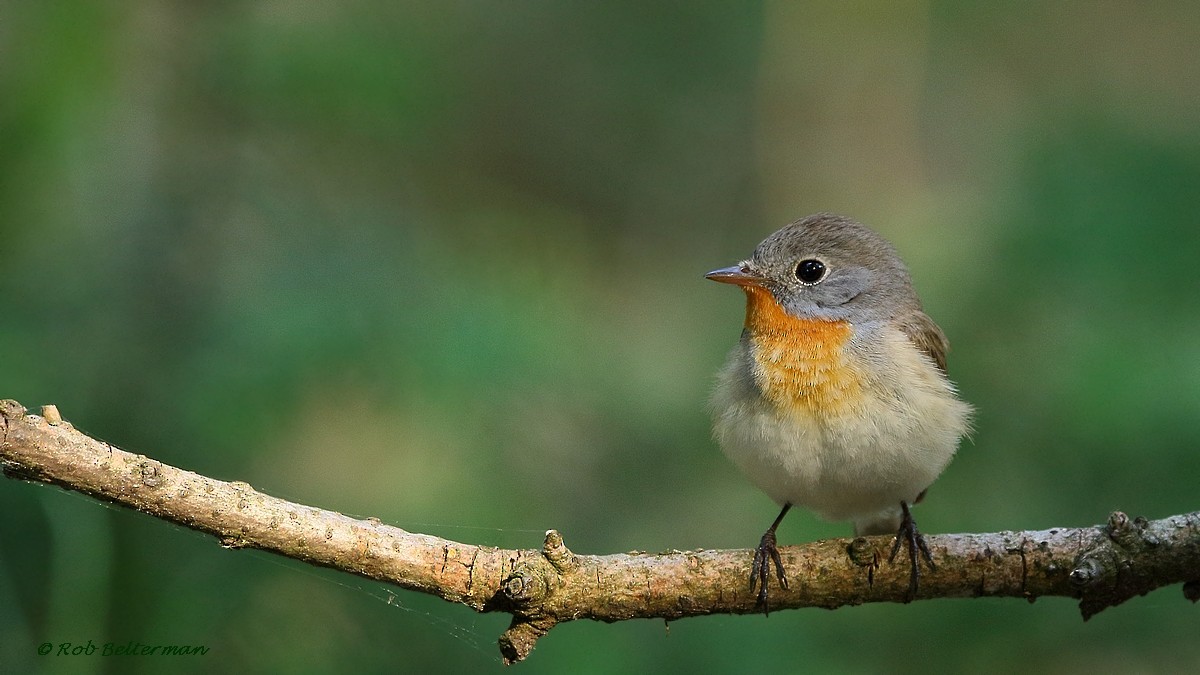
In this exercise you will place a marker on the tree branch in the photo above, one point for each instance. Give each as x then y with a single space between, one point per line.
1101 566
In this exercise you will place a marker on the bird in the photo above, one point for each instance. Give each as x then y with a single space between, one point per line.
836 398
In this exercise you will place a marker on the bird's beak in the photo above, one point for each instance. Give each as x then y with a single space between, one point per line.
738 274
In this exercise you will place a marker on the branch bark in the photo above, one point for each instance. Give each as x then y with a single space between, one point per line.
1101 566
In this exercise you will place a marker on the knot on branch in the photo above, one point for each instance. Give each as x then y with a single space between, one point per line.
1124 532
528 586
526 590
555 551
864 554
1135 557
1087 573
532 580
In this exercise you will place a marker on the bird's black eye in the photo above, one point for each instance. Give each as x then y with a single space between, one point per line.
810 271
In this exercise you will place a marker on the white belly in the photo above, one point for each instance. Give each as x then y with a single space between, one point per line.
858 464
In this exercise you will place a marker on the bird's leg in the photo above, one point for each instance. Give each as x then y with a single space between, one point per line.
766 553
911 536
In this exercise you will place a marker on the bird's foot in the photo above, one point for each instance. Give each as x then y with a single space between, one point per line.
915 542
767 553
760 571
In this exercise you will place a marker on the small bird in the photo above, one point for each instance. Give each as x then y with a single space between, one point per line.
836 397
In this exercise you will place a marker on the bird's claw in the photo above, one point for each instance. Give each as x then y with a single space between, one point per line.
917 548
760 570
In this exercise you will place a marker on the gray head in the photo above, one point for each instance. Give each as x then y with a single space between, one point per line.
828 267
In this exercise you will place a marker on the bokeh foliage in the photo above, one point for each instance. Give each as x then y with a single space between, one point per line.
440 263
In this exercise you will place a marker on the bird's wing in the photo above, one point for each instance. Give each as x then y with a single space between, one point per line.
927 337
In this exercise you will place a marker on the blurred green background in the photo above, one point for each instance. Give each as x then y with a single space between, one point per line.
441 263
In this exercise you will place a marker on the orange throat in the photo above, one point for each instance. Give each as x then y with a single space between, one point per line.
800 365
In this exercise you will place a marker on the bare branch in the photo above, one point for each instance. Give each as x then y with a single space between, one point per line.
1101 566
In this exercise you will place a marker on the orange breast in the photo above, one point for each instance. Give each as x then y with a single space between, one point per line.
800 364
